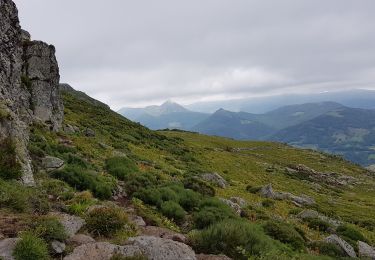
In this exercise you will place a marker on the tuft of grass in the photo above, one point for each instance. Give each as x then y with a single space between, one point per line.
285 233
49 228
31 247
10 168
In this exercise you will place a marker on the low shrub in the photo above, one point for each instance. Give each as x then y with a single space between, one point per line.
285 233
101 186
120 167
173 210
253 189
31 247
228 236
106 221
189 199
10 168
199 186
327 249
14 196
136 181
211 211
49 228
318 224
351 235
149 196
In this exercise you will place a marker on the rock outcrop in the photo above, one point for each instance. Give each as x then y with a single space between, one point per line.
6 248
366 251
268 192
348 249
71 224
215 179
29 86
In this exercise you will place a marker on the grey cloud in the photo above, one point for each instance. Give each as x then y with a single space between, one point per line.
130 53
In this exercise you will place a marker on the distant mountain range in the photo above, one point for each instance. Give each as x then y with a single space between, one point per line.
168 115
327 126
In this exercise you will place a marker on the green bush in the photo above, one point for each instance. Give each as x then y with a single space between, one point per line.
57 188
327 249
211 211
318 224
149 196
106 221
136 181
173 210
49 228
168 194
14 196
31 247
199 185
101 186
189 199
228 236
10 168
120 167
285 233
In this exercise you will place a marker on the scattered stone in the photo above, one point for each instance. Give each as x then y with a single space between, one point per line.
239 201
212 257
366 251
6 248
156 248
163 233
81 239
89 132
348 249
268 192
101 251
58 247
69 129
309 213
72 224
330 178
236 208
52 163
138 221
216 179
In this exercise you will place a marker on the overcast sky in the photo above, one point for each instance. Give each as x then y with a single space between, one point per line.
138 52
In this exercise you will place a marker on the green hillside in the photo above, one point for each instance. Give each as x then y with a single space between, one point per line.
161 173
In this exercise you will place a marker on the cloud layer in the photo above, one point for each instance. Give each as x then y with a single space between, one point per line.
133 53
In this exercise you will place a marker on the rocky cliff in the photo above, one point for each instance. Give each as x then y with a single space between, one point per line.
29 86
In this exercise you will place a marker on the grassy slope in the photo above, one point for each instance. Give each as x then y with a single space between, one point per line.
179 153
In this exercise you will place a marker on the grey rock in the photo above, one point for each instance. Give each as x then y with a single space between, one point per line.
216 179
72 224
52 163
162 249
89 132
58 247
366 251
101 251
137 220
6 248
80 239
69 129
163 233
348 249
29 91
239 201
308 213
268 192
236 208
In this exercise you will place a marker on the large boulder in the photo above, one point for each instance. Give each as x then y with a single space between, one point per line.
162 249
366 251
6 248
268 192
215 179
29 90
52 163
309 213
102 251
348 249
